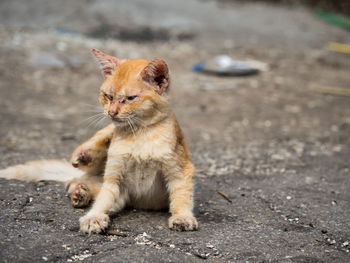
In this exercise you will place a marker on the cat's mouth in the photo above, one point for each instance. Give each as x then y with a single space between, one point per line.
120 121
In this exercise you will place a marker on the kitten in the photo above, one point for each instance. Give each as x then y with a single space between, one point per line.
141 160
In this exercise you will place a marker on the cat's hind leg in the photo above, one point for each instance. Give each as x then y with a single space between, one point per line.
79 193
89 157
83 190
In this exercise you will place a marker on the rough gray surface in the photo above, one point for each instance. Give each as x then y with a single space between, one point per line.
277 149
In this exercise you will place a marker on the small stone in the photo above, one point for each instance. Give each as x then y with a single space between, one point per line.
331 241
288 197
160 227
172 245
210 246
45 258
337 148
66 247
145 235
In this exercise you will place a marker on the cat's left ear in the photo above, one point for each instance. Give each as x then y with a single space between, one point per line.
108 63
156 74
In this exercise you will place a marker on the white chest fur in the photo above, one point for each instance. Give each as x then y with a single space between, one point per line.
144 185
142 167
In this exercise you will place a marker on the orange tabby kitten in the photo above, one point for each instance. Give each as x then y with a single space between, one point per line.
141 160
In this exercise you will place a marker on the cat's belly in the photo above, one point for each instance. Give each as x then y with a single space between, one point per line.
144 186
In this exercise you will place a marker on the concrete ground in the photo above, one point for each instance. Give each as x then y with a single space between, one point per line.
278 150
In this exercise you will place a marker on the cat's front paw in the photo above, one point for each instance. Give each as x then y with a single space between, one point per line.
183 222
93 223
81 158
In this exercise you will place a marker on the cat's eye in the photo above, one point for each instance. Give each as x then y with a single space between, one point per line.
107 96
131 98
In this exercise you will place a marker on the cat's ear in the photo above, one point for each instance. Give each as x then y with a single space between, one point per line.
156 74
108 63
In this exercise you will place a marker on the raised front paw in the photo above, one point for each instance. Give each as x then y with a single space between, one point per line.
183 223
93 223
79 193
81 158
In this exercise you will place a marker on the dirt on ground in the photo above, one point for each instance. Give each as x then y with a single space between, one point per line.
272 153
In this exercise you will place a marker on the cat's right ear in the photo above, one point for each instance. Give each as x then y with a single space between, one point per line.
108 63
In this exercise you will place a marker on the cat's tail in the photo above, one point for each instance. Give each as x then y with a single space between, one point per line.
55 170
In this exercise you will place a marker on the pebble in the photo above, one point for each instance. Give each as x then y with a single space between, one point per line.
331 241
345 244
209 246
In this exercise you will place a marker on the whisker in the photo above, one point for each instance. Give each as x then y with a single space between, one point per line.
133 124
132 129
91 118
139 121
95 120
96 110
90 105
100 122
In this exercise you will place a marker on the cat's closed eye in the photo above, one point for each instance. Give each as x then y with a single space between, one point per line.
131 97
108 96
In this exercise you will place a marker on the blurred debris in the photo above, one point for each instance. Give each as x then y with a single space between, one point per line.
145 239
201 255
333 19
224 65
116 233
224 195
331 90
340 48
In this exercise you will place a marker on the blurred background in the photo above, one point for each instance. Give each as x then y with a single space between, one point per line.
280 131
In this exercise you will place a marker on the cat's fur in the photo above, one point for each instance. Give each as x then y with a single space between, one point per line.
141 160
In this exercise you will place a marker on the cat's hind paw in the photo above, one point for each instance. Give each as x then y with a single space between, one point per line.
183 223
79 194
94 223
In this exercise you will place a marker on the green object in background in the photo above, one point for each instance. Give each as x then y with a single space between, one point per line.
336 20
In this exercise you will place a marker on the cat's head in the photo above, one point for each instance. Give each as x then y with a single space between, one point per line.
134 91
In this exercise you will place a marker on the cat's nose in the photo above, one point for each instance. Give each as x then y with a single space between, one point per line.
113 110
113 114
